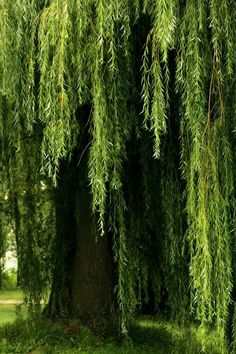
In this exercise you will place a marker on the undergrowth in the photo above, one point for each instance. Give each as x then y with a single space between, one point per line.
69 337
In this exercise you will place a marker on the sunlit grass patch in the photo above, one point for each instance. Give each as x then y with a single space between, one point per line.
16 295
8 310
7 314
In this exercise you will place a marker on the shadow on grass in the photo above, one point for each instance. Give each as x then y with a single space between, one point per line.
153 335
169 338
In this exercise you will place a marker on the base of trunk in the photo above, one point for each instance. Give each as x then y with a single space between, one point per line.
83 280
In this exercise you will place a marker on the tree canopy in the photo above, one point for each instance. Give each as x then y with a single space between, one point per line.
157 79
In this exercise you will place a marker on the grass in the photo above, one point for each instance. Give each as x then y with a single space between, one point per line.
46 338
148 335
7 314
16 295
69 337
8 311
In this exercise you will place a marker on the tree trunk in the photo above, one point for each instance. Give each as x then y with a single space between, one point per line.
92 281
83 280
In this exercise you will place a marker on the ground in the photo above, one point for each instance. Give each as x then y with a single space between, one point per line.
8 300
148 335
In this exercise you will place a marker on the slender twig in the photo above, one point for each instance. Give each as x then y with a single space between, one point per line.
81 156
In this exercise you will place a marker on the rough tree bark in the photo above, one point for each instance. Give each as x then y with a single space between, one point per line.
84 273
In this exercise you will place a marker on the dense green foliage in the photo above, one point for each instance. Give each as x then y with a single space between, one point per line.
159 78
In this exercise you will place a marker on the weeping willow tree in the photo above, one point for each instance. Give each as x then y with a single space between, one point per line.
131 106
